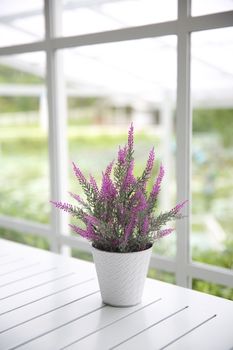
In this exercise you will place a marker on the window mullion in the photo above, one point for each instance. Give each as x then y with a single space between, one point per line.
57 123
183 135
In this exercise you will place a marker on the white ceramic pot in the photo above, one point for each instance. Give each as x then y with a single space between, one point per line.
121 276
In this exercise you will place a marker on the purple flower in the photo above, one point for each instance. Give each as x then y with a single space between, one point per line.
131 226
131 137
109 169
77 198
122 155
141 202
178 207
88 233
108 189
129 178
150 161
91 219
81 178
163 233
145 226
80 231
156 187
94 185
63 206
137 206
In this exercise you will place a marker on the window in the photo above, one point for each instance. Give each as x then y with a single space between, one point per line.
210 6
24 176
98 16
63 85
212 146
21 22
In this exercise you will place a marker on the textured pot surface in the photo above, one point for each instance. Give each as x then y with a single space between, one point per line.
121 275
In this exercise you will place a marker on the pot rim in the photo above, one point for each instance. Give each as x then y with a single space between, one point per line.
118 253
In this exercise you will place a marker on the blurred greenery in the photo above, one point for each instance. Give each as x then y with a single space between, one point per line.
74 102
79 254
219 121
212 257
214 289
18 104
9 104
10 75
28 239
161 276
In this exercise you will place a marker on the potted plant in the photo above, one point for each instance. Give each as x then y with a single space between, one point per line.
119 219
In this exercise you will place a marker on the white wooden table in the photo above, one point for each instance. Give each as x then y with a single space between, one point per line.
52 302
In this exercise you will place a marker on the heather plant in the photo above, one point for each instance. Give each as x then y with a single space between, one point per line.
120 216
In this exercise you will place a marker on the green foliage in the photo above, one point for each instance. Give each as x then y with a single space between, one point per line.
218 121
9 75
212 257
77 102
161 220
18 104
79 254
223 259
13 104
211 288
28 239
161 276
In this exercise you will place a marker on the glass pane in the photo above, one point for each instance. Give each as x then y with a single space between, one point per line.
200 7
79 254
214 289
21 22
212 186
24 180
97 16
28 239
106 92
162 276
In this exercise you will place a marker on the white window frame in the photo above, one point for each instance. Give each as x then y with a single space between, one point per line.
184 268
